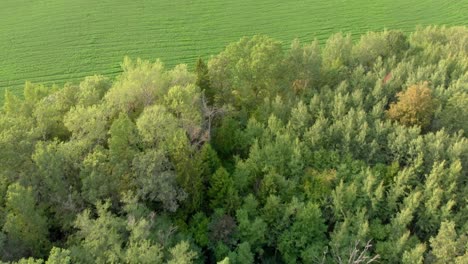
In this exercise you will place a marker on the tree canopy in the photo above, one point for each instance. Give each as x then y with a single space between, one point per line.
340 153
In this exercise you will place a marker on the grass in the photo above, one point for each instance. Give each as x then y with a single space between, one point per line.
54 41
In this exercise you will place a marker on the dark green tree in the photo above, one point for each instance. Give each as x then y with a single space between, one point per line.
203 80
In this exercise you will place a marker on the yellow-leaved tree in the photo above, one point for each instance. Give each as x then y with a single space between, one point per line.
415 106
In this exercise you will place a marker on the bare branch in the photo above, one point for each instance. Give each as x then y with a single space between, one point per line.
356 255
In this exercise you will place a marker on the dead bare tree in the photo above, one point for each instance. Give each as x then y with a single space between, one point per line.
300 85
357 255
209 113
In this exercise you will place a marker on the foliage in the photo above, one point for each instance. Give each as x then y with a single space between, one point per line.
415 106
342 153
25 224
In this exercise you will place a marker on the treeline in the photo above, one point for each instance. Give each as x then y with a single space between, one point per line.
342 153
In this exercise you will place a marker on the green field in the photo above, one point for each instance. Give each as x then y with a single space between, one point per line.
54 41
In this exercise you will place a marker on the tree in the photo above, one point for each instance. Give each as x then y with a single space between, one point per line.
99 240
317 185
140 84
57 178
336 56
11 103
224 261
59 256
243 73
399 239
30 261
158 128
252 228
198 227
348 240
357 255
182 254
222 193
25 224
304 240
156 179
243 254
185 104
17 139
415 255
222 233
379 46
447 246
143 252
415 106
226 138
397 42
140 247
97 177
303 63
92 89
89 124
454 115
210 161
123 144
203 80
49 113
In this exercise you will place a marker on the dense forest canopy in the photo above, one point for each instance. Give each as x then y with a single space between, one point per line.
351 152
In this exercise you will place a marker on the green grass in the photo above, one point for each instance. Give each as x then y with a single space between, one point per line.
54 41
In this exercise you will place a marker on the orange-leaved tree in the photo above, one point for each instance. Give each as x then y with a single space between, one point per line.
415 106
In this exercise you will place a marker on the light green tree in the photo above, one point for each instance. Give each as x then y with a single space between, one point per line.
243 73
182 254
447 246
25 223
59 256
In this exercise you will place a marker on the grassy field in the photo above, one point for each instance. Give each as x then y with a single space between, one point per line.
62 40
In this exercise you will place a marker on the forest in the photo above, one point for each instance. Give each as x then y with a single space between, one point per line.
346 152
